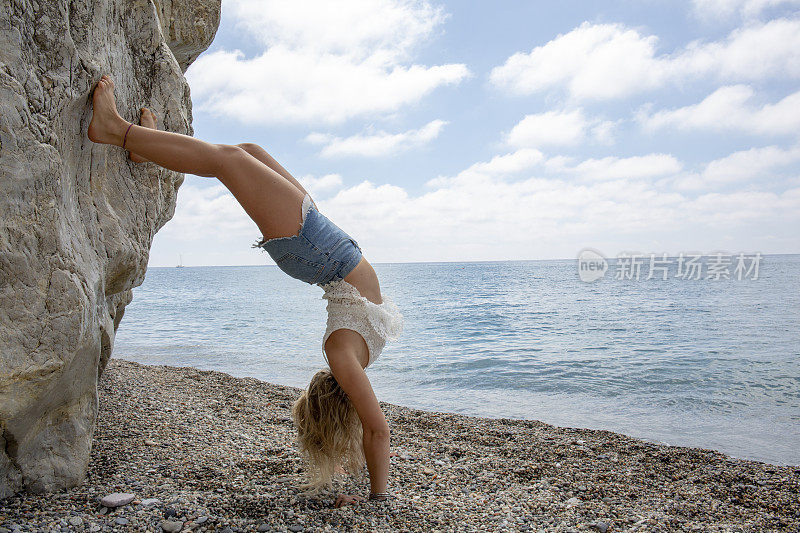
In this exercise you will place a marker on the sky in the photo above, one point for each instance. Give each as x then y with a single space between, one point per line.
504 130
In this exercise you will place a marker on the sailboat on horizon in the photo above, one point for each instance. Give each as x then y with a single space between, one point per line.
180 262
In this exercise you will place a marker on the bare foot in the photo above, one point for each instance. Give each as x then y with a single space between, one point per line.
147 119
345 499
106 127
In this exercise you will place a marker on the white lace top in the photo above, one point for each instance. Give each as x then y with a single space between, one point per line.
347 309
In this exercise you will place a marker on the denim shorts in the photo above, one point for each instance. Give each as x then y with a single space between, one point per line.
320 253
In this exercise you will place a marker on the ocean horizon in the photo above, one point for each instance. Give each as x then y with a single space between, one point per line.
709 363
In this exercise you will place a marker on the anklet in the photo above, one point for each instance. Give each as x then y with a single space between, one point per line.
126 135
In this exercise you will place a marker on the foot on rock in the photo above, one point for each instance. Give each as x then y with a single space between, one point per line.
107 126
148 119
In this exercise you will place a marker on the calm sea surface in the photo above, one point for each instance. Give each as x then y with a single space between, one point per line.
706 363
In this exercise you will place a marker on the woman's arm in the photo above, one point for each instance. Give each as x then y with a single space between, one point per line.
355 383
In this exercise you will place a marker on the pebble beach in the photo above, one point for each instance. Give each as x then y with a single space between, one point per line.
182 449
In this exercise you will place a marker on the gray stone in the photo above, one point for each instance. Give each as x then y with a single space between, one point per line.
573 502
201 519
117 499
171 526
76 521
263 527
121 521
148 502
77 219
601 526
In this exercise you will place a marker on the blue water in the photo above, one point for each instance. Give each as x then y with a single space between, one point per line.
706 363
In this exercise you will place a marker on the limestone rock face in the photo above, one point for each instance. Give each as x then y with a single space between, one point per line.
185 25
77 219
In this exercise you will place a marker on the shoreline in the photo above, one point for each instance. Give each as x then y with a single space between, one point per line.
218 452
435 262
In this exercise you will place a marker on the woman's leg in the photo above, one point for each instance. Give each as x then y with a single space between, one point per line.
262 155
173 151
147 119
267 197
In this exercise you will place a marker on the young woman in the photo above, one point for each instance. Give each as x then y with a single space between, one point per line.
340 423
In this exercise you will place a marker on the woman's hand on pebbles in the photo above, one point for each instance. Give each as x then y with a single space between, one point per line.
344 499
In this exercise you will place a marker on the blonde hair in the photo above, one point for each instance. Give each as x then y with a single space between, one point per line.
329 432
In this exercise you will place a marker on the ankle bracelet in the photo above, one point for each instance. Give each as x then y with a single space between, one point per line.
126 135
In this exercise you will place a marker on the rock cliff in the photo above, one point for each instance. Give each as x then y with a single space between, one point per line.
77 219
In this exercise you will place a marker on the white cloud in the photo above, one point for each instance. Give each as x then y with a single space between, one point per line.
203 212
747 8
480 215
557 128
500 165
362 29
324 62
729 108
750 164
511 163
320 185
756 165
376 144
604 61
593 60
467 217
613 168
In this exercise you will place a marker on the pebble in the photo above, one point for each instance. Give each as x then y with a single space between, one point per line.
121 521
171 526
475 475
117 499
76 521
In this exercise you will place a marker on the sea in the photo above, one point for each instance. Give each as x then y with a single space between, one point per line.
710 359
